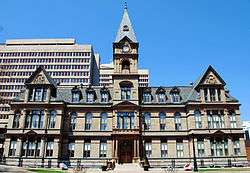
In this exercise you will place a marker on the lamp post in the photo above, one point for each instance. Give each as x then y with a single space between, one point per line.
194 156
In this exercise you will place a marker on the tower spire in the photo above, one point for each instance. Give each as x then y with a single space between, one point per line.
125 29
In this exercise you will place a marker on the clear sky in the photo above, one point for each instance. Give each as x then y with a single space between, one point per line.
178 38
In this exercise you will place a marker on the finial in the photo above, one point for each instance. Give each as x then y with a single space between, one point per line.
126 5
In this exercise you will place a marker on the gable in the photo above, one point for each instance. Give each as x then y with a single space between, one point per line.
40 79
40 76
210 77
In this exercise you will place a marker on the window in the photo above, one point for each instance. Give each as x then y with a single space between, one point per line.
52 119
201 147
31 148
233 122
162 116
177 119
40 94
236 147
215 119
148 149
164 149
175 97
35 119
104 121
49 150
88 121
12 150
16 120
76 97
73 121
71 149
146 97
212 94
104 97
147 121
90 97
125 93
161 98
103 148
125 120
179 148
217 147
87 148
197 117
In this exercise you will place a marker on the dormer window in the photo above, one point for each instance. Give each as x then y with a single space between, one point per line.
161 96
146 97
90 97
125 28
38 94
104 97
75 97
175 95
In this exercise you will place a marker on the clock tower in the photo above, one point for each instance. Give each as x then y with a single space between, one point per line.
125 59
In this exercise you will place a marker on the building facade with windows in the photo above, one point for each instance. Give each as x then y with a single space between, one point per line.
167 125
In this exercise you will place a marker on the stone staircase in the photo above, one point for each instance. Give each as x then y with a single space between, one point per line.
128 168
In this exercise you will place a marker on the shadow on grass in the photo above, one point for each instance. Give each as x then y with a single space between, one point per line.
45 170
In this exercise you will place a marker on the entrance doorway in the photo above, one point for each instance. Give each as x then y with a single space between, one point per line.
125 151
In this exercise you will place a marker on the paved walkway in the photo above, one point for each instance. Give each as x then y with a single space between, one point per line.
12 169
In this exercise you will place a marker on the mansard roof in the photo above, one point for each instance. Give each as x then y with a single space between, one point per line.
125 29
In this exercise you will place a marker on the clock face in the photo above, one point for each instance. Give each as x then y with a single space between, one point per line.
125 48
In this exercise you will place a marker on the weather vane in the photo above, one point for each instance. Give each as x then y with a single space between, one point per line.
126 5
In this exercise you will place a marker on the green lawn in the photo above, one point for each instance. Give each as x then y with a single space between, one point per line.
46 170
224 169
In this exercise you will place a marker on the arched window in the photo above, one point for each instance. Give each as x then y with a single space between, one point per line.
52 119
104 121
162 117
88 121
147 121
197 117
73 120
16 119
177 120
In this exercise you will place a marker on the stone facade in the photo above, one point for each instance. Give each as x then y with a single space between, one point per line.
170 125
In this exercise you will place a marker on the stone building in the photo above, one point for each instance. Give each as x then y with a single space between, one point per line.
51 123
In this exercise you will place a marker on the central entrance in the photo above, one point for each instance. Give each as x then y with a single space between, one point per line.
125 151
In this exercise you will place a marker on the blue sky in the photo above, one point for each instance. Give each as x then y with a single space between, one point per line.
178 39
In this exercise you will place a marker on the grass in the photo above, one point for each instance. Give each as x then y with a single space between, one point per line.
224 169
40 170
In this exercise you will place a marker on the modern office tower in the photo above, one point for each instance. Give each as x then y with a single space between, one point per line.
107 71
67 62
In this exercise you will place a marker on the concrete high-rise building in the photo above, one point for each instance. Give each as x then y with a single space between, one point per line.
67 62
107 71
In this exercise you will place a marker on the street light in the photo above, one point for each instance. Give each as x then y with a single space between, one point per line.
194 156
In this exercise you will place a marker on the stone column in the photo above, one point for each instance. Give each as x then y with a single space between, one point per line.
22 118
56 148
79 148
42 152
6 147
242 147
207 147
216 95
135 152
136 120
113 148
94 152
48 95
208 95
230 147
46 116
19 147
116 149
226 119
138 148
26 96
